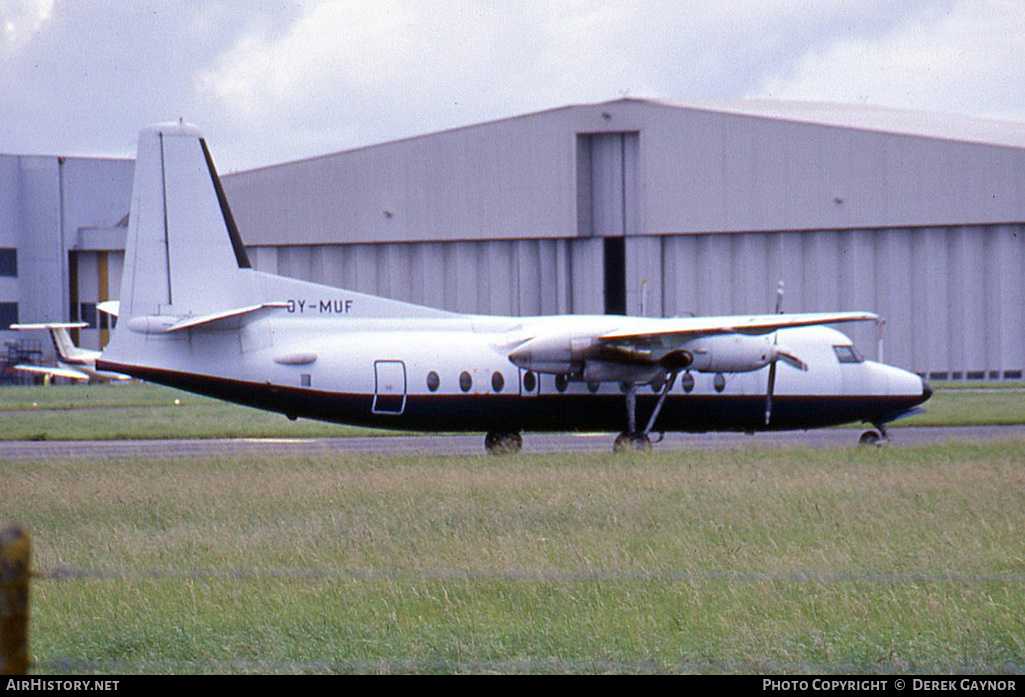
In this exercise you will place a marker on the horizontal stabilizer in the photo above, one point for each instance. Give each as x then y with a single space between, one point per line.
49 325
69 373
227 319
109 307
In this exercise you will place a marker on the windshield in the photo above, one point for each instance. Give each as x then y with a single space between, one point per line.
847 354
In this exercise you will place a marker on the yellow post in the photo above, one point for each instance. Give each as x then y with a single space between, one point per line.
15 552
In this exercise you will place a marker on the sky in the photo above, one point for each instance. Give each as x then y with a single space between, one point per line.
274 81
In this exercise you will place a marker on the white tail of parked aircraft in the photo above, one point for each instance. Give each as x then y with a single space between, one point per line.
195 315
73 362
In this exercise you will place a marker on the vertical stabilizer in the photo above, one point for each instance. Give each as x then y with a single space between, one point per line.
183 253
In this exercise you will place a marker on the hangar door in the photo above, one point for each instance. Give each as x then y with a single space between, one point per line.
607 167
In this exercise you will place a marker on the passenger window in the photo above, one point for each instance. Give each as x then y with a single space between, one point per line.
465 381
497 381
433 381
847 354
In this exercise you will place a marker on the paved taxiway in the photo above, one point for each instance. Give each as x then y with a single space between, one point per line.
433 445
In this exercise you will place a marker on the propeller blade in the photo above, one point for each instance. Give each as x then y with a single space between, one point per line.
769 392
790 359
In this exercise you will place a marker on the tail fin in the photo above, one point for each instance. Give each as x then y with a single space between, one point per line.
65 348
182 240
185 268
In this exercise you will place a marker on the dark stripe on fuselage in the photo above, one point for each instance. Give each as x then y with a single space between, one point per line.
547 412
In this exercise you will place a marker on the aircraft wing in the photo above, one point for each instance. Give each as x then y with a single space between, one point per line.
677 341
693 327
53 372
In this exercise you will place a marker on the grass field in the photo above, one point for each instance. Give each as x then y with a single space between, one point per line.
150 411
104 412
906 560
902 560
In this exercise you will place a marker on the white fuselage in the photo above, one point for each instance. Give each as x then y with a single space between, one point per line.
455 374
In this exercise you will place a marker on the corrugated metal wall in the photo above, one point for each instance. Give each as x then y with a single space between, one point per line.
510 277
953 297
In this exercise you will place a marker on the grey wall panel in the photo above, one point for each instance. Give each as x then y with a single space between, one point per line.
895 302
1005 301
644 269
10 200
42 257
563 291
607 178
966 325
588 296
295 261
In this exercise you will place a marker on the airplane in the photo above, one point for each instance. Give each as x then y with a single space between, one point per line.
72 362
195 315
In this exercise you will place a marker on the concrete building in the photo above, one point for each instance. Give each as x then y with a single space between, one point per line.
628 206
62 237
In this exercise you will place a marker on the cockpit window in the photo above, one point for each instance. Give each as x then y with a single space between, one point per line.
847 354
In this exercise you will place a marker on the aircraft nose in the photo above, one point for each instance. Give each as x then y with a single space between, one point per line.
926 390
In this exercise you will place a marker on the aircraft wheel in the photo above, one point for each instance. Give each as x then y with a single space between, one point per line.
632 443
870 438
502 443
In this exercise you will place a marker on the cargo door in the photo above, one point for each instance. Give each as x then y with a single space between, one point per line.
389 387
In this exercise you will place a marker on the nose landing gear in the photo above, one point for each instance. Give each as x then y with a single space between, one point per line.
878 437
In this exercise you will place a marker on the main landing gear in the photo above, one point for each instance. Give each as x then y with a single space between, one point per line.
503 442
632 440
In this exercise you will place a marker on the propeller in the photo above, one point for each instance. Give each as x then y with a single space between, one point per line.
778 355
790 359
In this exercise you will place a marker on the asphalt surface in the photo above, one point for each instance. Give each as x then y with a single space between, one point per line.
473 444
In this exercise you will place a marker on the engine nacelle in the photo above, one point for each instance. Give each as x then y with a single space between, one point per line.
604 371
731 353
560 355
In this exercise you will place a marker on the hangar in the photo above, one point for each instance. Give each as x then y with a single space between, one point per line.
629 206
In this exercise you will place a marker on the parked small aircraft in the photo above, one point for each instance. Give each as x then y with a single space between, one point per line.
73 362
196 316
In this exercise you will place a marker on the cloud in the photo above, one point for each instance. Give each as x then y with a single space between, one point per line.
90 73
355 72
19 22
964 60
270 81
347 73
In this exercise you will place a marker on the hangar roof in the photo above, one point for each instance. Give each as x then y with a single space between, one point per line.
869 118
861 117
684 168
